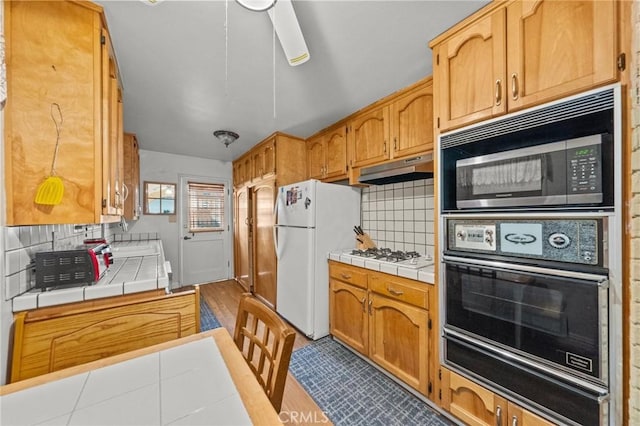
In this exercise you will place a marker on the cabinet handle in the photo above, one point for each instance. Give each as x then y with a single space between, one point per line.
498 92
395 143
514 86
514 421
499 416
395 292
370 303
364 305
384 147
345 276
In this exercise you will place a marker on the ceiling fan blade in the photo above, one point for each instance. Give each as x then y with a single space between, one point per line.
288 30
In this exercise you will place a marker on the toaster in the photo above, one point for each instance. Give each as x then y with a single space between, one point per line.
84 265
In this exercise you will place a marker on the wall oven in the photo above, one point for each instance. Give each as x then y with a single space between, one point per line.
531 293
530 233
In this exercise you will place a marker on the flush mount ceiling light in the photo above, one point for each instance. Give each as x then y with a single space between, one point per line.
226 137
151 2
285 23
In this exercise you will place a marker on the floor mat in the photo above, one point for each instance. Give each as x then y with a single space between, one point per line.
352 392
208 320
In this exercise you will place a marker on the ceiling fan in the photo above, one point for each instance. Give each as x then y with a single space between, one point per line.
286 26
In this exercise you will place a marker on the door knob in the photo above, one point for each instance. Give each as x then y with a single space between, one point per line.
186 237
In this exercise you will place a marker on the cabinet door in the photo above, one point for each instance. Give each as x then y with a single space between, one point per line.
269 159
348 319
315 157
518 416
112 197
264 255
368 137
43 69
472 403
247 168
336 153
398 340
558 48
257 164
242 237
412 122
470 66
131 177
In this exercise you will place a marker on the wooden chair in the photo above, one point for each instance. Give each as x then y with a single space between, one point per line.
266 342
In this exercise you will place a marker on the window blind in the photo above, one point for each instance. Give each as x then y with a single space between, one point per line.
206 207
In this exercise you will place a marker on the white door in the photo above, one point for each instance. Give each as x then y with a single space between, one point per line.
205 223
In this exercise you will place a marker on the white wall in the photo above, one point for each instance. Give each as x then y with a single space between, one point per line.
162 167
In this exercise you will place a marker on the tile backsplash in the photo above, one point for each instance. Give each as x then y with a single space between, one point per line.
400 215
23 242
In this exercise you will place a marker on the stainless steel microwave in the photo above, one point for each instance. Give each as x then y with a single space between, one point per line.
567 172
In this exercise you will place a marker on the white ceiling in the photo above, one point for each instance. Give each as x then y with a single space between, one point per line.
184 76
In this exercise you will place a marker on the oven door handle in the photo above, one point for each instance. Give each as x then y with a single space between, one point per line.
600 280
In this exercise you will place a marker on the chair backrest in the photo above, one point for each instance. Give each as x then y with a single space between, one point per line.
266 342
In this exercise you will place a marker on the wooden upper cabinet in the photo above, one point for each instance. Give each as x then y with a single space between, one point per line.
470 72
412 122
556 48
336 153
327 155
131 176
518 54
264 159
369 137
316 157
112 139
67 70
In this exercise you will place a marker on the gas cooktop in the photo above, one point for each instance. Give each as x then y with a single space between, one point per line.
407 259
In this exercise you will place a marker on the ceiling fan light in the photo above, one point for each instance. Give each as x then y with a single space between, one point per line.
287 28
257 5
227 137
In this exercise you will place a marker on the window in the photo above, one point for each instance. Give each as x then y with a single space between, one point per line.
206 207
159 198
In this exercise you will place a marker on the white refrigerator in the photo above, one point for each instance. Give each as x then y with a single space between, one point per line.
312 219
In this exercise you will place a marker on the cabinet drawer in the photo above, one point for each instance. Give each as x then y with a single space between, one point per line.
349 274
400 288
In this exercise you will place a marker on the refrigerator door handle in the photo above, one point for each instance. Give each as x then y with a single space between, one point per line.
275 226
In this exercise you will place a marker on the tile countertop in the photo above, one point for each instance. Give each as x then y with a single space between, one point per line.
137 266
183 385
425 275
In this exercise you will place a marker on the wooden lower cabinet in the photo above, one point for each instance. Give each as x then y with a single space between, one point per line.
377 323
478 406
349 316
398 340
57 337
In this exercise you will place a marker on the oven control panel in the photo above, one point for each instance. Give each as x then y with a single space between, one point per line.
475 236
577 241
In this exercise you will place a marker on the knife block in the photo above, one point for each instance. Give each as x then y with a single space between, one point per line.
366 243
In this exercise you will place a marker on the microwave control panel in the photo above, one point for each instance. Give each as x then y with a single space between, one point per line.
577 241
584 166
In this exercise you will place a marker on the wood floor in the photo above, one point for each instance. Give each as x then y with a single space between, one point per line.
297 406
